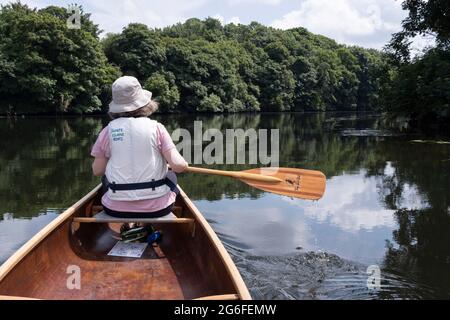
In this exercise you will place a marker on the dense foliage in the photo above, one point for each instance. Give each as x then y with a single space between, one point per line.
197 66
420 89
47 67
204 66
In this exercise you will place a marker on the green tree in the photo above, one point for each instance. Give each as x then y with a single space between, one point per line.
163 87
425 17
211 103
420 88
86 23
45 67
137 51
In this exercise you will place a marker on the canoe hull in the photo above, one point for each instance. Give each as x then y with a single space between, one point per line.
190 263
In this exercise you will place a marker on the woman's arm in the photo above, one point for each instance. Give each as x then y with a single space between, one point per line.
99 166
170 152
175 160
101 153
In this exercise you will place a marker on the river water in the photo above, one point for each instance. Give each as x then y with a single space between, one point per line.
386 205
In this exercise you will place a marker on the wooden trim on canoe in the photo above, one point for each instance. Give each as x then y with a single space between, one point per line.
224 297
236 277
8 298
41 235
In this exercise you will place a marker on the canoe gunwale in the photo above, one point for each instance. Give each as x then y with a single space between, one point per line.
35 241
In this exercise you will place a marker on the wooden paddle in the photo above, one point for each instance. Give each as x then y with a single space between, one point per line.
295 183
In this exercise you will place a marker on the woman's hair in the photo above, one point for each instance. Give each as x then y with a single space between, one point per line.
144 112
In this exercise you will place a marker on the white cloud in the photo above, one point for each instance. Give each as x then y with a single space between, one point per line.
160 14
353 208
421 42
266 2
234 20
112 16
347 21
357 206
222 20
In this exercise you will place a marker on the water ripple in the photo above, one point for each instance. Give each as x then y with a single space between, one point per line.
319 276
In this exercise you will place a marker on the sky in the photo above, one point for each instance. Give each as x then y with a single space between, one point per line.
367 23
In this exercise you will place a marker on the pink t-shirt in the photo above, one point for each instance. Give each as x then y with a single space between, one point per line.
101 149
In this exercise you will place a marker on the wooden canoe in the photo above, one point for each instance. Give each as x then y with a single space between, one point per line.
190 262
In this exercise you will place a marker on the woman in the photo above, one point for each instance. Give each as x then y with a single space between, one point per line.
132 153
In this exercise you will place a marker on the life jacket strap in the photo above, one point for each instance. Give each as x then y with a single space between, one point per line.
143 185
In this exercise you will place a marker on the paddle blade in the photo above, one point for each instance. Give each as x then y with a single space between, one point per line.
296 183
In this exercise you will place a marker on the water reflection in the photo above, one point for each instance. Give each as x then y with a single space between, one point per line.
387 201
44 163
352 204
15 232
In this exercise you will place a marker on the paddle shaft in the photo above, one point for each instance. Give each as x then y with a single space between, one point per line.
235 174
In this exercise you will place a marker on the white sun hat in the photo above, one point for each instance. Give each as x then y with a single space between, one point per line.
128 95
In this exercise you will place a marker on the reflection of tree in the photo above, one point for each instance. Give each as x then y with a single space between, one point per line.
422 241
45 163
306 142
422 250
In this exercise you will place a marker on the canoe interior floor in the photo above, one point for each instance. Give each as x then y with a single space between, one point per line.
162 273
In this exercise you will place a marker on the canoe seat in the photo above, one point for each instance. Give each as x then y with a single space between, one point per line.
102 217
